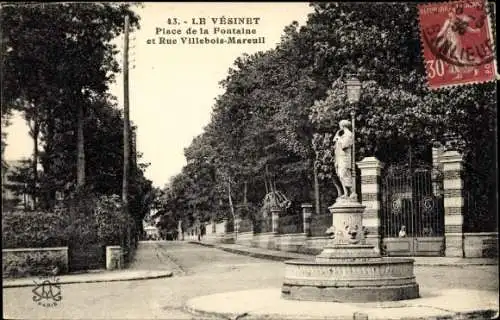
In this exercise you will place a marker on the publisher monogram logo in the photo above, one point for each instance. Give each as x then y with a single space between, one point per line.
47 292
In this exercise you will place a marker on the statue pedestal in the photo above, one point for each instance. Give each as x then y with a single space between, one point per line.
347 233
349 270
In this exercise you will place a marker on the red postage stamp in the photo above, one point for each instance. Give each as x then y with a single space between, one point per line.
458 44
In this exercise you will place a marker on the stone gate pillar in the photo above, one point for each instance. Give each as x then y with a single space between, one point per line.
453 203
237 221
114 257
306 218
370 195
180 234
275 216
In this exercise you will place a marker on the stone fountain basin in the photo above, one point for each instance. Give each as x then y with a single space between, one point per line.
350 280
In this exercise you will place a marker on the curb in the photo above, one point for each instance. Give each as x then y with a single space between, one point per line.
245 253
210 245
273 257
459 265
167 274
256 254
271 311
472 315
230 316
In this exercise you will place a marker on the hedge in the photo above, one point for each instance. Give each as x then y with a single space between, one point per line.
35 229
86 225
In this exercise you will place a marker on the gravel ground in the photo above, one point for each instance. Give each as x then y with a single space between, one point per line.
197 271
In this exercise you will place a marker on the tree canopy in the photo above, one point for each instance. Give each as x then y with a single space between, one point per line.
58 60
281 107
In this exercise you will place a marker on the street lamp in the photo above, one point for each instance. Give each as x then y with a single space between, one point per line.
353 87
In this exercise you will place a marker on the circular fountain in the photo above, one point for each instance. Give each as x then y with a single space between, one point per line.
348 269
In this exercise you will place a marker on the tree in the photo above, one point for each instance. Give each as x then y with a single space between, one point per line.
46 49
5 122
280 108
396 110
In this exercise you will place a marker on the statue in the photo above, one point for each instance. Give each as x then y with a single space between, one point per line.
343 147
275 199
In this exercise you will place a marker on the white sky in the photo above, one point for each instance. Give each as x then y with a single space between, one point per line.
173 87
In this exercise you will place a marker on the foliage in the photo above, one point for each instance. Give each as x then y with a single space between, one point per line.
20 179
167 224
30 263
45 49
5 121
280 109
33 229
246 225
112 224
249 212
81 222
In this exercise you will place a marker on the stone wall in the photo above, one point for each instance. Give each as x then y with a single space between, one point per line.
305 233
226 238
314 245
319 224
214 232
244 238
476 245
290 223
34 261
263 240
481 244
245 225
289 242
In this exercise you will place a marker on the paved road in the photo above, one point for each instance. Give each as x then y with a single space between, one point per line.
197 271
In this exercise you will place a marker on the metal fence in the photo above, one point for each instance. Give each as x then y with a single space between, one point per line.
412 202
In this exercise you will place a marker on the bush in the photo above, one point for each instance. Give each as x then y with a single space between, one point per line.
290 223
114 227
111 221
246 225
84 223
85 251
33 229
26 263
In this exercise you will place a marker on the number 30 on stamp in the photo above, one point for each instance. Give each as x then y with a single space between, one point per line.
457 43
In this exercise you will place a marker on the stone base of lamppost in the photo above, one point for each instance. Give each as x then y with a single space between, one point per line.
349 270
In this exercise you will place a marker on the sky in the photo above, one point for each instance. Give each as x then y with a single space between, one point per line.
173 86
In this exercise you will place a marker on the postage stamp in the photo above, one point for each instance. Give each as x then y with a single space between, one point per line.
457 43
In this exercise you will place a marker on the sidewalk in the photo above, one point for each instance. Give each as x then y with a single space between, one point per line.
90 277
145 265
268 304
283 255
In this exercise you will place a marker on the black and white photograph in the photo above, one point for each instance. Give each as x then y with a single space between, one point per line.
249 160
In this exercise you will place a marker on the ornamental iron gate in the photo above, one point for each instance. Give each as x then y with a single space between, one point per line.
412 213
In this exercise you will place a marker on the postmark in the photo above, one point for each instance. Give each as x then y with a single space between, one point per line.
457 43
47 292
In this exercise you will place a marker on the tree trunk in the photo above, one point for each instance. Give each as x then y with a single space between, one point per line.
80 165
316 189
230 198
31 114
232 208
245 191
47 163
36 132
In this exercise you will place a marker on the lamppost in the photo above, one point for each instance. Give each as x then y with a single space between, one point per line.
353 87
